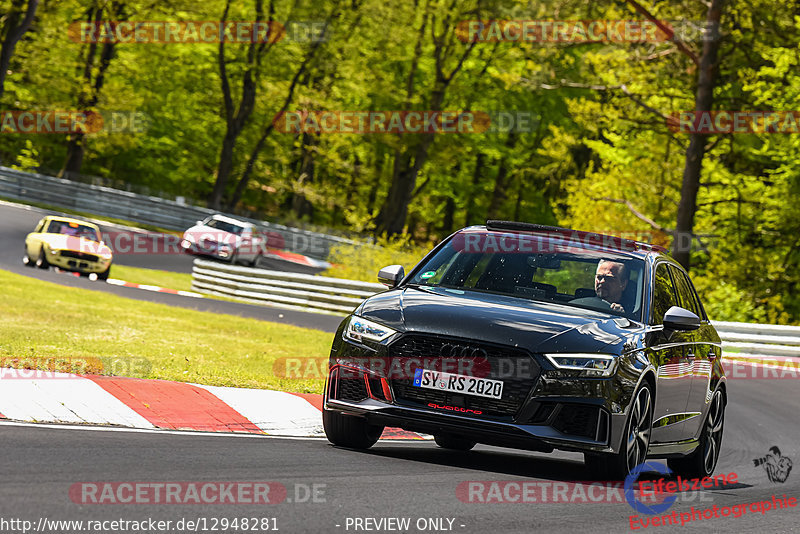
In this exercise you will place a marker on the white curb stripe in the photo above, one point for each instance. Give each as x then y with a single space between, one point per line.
63 398
274 412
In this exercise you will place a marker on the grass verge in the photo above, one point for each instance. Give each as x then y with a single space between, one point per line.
45 323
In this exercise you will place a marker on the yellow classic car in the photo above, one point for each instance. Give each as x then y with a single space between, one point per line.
68 244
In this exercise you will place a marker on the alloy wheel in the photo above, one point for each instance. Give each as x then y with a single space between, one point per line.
638 440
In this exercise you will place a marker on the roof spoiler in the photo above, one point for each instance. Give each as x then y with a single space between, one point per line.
573 235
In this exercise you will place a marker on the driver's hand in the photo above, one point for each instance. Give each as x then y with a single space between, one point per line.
616 306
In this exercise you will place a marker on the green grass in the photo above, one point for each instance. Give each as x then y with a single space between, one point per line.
152 277
45 323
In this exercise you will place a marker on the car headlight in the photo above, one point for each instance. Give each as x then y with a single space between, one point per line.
106 255
52 251
360 329
588 364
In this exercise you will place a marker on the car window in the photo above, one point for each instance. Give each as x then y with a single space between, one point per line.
687 293
663 294
686 297
225 226
72 229
564 276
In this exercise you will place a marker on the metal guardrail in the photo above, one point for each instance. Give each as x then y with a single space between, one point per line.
168 214
277 288
748 340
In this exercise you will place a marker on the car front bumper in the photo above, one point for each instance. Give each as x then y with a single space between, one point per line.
76 262
558 410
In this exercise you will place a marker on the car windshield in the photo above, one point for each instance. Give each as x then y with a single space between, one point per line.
72 229
565 274
225 226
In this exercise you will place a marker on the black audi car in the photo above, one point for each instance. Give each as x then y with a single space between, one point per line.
539 338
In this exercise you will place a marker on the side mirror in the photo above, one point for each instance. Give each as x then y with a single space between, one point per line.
680 319
390 276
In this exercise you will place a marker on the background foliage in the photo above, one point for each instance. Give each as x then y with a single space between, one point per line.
600 156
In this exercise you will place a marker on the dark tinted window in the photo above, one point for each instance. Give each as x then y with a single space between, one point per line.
663 295
686 293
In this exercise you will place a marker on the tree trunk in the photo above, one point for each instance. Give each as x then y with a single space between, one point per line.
499 194
12 32
476 178
237 117
704 99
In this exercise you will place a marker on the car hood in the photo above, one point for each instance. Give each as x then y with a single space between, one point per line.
536 326
74 243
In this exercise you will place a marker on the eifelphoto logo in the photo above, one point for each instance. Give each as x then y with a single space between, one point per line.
777 466
667 491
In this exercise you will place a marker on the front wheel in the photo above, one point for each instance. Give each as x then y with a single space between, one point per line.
27 261
635 444
104 275
349 431
702 462
41 261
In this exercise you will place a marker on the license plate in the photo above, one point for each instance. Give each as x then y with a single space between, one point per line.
450 382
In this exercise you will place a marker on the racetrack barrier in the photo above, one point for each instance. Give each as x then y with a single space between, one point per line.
306 292
145 209
765 341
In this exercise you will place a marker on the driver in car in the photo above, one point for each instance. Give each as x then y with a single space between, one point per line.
610 282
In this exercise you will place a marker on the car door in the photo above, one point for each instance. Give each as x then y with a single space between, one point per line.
702 353
668 352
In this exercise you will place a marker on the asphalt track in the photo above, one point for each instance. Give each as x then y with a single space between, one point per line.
414 480
16 221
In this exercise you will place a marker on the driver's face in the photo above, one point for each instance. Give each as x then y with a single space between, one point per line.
607 283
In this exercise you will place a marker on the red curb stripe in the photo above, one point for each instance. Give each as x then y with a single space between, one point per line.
176 405
388 433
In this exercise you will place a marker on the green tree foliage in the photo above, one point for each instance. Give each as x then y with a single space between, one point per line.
598 154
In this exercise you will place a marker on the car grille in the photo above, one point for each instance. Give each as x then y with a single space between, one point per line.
351 389
78 255
515 367
576 419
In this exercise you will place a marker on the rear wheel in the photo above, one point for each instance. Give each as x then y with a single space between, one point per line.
455 443
41 261
702 462
349 431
